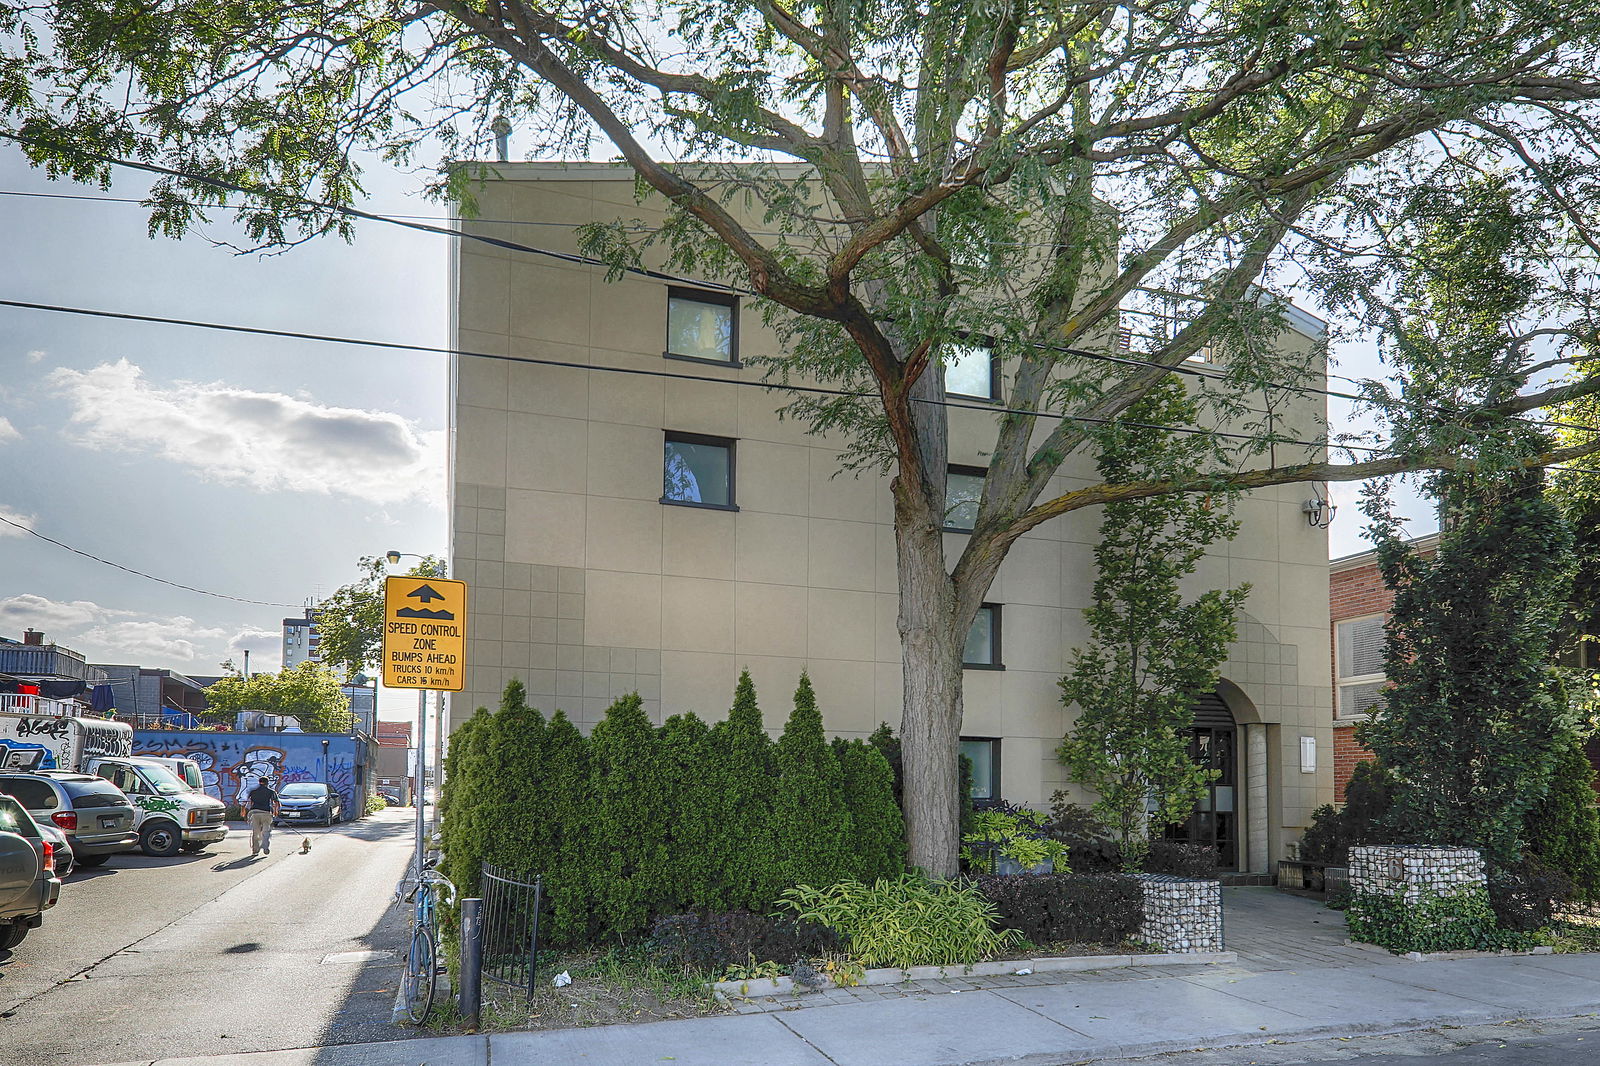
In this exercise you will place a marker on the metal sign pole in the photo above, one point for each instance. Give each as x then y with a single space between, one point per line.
422 757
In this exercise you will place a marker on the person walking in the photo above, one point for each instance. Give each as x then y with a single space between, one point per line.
263 802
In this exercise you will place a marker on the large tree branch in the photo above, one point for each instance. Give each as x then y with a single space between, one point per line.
1247 480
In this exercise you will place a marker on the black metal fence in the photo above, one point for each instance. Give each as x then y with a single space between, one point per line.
510 923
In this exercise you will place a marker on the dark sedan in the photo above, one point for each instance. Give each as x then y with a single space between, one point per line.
308 801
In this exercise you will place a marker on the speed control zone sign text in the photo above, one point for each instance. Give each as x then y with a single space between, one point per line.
424 633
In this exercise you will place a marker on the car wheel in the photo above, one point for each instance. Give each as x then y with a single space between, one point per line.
92 860
161 839
12 935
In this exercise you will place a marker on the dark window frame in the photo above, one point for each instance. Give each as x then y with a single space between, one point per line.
958 468
995 791
994 374
702 296
995 630
673 436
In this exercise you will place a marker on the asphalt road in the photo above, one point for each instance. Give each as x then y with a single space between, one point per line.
214 953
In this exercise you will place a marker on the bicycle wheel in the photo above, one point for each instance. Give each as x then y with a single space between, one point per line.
421 964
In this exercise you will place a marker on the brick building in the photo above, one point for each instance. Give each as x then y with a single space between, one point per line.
1358 605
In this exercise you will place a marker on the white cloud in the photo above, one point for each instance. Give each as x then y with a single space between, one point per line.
267 440
36 355
24 520
109 635
27 611
8 432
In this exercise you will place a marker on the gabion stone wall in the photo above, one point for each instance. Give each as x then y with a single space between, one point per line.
1180 914
1417 871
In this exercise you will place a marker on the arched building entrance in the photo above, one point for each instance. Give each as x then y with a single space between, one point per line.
1213 744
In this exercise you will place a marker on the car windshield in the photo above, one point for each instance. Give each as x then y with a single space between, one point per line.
303 790
164 780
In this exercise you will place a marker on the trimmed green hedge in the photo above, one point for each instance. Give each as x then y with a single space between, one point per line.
1462 922
634 821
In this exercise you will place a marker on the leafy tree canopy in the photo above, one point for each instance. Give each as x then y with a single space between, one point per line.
350 622
895 179
309 692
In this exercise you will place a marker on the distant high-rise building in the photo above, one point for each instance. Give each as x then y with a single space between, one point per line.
300 639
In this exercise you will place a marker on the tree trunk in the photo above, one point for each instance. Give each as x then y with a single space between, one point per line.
930 724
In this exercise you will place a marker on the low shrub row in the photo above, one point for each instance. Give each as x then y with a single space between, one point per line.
1076 908
1462 922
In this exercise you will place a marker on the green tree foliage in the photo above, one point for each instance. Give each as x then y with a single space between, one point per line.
809 817
630 823
742 762
1153 651
1039 175
309 692
1563 829
877 845
1365 818
1474 720
350 622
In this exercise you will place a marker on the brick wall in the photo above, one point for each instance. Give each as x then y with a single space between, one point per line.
1356 592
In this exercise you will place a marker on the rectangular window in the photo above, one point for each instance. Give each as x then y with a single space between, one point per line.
962 491
983 640
703 326
984 754
969 370
698 471
1360 649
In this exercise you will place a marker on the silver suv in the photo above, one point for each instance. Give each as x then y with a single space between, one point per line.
28 884
94 814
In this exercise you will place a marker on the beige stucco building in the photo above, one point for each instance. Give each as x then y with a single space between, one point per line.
589 579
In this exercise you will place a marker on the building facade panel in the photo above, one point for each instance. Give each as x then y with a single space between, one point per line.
615 578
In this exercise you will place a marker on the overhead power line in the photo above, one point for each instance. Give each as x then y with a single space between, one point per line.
139 573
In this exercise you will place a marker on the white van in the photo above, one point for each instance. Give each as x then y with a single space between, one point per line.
185 770
169 815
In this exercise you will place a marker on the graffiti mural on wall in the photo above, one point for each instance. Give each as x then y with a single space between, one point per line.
232 763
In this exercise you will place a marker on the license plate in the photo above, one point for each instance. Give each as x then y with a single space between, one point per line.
298 814
108 823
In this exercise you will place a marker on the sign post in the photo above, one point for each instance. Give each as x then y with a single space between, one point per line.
424 647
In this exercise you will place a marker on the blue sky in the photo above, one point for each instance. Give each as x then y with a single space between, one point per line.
256 467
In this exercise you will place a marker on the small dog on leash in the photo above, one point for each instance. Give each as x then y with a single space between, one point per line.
305 845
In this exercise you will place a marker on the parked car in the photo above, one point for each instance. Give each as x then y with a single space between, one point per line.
308 801
96 817
65 861
28 883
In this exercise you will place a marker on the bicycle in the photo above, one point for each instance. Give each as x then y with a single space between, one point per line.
422 960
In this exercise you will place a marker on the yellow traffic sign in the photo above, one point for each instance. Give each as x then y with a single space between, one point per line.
424 633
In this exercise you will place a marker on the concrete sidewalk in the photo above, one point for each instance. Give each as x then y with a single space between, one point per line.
1042 1025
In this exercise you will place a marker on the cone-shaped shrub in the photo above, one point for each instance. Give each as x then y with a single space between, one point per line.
809 815
1564 828
878 840
630 823
696 876
743 833
568 792
464 787
524 838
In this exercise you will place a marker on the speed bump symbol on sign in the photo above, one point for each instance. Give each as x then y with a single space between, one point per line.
424 633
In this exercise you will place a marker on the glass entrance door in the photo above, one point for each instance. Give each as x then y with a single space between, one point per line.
1215 820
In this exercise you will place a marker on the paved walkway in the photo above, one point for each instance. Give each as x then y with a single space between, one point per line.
1296 980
